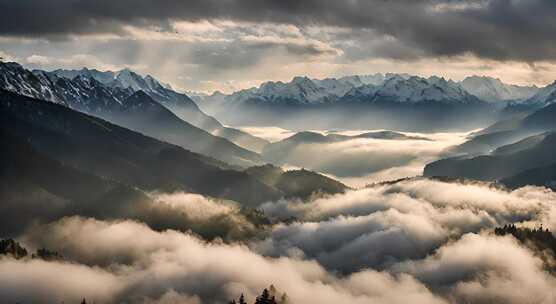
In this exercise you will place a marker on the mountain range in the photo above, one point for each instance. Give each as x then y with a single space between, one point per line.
399 87
516 144
390 101
374 101
179 103
120 96
493 89
62 145
516 152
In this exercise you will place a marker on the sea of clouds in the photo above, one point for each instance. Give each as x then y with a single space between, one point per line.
414 241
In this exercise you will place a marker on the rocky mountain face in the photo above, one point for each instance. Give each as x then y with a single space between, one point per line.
112 96
183 106
544 96
494 90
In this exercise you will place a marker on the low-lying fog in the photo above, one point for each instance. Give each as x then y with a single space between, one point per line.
361 161
416 241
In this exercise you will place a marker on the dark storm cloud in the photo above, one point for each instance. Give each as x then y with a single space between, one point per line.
495 29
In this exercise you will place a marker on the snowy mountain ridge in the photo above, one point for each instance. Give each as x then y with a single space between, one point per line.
366 88
493 89
544 96
125 78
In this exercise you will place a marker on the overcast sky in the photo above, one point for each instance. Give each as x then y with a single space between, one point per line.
206 45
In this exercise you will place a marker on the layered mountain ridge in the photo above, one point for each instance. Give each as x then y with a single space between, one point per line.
110 101
401 87
179 103
516 152
388 101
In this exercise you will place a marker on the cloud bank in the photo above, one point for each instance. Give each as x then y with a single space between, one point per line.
161 266
418 240
361 161
386 224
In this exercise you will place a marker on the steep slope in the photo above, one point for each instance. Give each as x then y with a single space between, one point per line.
87 94
543 176
38 188
35 190
488 142
14 78
508 161
100 148
542 119
183 106
508 124
509 131
187 110
521 145
544 96
141 113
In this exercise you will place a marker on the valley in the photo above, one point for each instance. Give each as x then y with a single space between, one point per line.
116 178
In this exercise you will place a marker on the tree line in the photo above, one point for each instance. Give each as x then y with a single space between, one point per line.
268 296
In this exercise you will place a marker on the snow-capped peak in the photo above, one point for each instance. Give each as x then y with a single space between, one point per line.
395 87
493 89
125 78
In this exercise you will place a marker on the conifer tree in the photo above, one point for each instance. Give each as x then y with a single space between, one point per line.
284 299
242 299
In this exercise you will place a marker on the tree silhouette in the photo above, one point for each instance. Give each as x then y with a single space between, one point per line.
540 240
265 298
268 296
272 290
284 299
13 248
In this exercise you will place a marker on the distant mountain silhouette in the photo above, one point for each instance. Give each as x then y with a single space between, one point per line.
543 176
510 160
518 151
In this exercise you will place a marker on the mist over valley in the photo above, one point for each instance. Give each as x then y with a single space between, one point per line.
277 152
